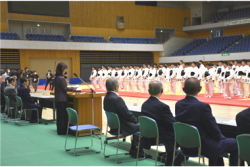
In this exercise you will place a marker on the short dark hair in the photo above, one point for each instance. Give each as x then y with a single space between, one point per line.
225 62
192 86
22 80
111 84
25 68
49 70
60 68
155 87
244 60
11 79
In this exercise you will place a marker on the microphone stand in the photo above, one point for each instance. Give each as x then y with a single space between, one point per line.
92 94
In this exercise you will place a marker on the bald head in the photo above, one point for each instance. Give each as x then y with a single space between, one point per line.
112 84
192 86
155 88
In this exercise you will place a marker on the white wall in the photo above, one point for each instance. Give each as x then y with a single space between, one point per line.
212 57
175 44
23 44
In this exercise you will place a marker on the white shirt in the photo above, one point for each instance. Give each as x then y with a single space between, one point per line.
194 71
113 73
131 73
93 74
99 74
146 71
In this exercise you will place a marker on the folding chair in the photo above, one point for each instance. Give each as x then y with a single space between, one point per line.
148 129
4 116
113 122
73 120
8 115
189 137
19 104
243 148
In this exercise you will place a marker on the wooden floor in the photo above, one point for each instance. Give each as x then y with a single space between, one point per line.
218 111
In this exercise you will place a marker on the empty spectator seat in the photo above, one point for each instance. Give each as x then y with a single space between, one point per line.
98 39
189 47
216 45
234 14
133 40
45 37
9 35
241 46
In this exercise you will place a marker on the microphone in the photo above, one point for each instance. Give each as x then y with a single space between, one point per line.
76 75
85 83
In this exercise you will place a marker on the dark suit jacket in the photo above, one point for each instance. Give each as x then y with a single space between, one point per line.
51 76
161 113
243 121
24 93
2 97
10 91
191 111
113 103
61 89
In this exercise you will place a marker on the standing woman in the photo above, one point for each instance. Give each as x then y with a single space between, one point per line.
35 80
61 98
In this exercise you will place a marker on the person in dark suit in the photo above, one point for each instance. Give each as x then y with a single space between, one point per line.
161 113
61 99
11 92
27 74
114 103
193 112
2 95
16 74
28 102
49 77
243 121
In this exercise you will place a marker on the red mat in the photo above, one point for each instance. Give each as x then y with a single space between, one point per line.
216 99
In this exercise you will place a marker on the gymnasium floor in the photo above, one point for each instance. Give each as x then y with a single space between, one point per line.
43 147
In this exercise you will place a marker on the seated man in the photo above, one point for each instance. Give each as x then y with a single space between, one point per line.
10 91
114 103
28 102
243 121
2 95
161 113
193 112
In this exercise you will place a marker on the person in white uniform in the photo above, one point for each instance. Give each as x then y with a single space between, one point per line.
92 77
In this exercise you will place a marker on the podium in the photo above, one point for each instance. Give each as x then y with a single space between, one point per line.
82 103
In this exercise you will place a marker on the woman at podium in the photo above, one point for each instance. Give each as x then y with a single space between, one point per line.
61 98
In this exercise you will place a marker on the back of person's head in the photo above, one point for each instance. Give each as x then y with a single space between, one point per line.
155 88
111 84
11 79
60 68
22 80
192 86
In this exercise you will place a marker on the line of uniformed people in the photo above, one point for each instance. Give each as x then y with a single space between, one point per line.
232 78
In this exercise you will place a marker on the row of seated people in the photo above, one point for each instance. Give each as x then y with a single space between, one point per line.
235 14
188 110
24 93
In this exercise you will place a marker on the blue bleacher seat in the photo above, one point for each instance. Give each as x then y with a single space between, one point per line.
9 35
